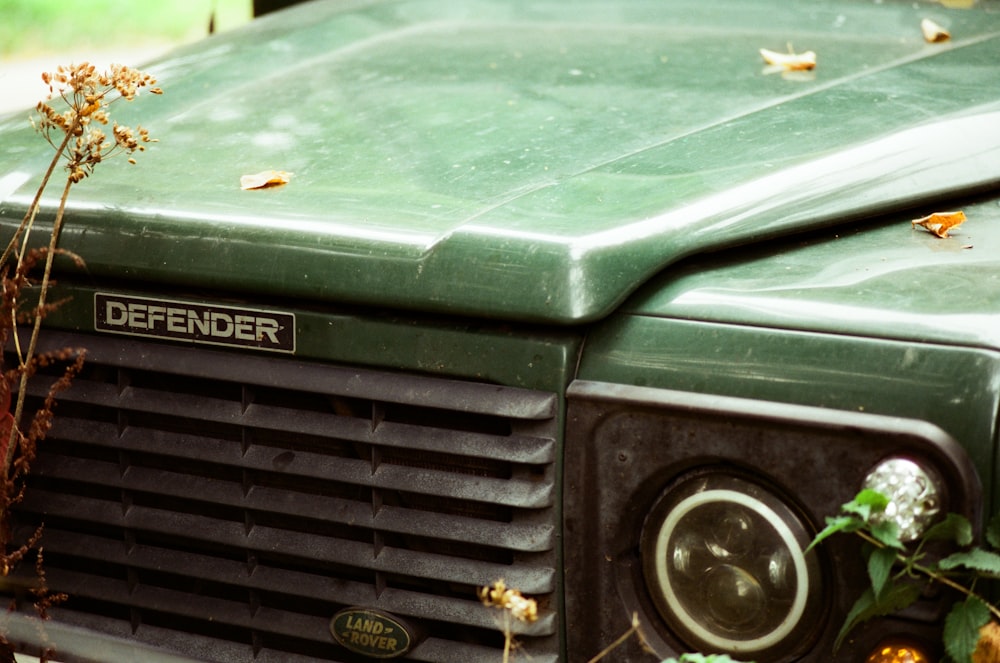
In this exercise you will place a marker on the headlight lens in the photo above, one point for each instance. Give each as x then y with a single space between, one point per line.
914 494
723 560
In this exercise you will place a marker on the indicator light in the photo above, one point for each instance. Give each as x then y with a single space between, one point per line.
914 493
898 652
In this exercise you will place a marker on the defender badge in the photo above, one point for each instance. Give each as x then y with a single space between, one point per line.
371 633
194 322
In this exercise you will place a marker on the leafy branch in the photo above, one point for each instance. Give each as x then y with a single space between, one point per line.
896 573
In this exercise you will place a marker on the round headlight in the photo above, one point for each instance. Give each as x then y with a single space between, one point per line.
723 561
913 491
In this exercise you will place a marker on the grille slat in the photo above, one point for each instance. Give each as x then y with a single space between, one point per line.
515 448
97 434
521 537
193 529
513 492
88 587
197 407
194 407
431 650
271 580
206 608
430 392
244 501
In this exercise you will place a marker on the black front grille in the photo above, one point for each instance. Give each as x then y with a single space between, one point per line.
227 505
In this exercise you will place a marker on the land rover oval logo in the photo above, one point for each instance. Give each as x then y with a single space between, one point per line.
371 633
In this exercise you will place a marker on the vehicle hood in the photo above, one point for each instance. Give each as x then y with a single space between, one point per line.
532 161
885 279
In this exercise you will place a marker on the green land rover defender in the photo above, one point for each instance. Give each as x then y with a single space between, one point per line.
580 296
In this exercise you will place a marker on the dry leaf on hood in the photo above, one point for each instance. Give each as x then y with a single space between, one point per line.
265 178
940 223
790 61
933 32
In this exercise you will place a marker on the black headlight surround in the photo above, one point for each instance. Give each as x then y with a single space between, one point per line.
626 445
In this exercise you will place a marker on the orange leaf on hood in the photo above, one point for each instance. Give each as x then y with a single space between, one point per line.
790 61
265 178
933 32
940 223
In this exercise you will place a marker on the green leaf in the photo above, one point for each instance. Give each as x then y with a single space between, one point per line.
894 599
861 607
865 502
879 566
953 528
993 531
834 525
984 562
961 628
887 533
872 498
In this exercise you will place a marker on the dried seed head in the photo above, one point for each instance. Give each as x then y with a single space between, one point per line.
499 596
88 94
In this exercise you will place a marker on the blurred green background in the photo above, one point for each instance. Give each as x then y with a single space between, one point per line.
30 28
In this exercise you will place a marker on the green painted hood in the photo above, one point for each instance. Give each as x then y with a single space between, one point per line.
524 160
884 280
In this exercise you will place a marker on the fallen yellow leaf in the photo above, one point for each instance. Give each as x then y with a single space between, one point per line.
265 178
940 223
790 61
933 32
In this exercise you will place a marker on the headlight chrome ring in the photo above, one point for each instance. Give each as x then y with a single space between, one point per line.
724 564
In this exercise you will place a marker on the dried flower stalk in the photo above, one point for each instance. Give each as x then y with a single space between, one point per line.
514 605
73 120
